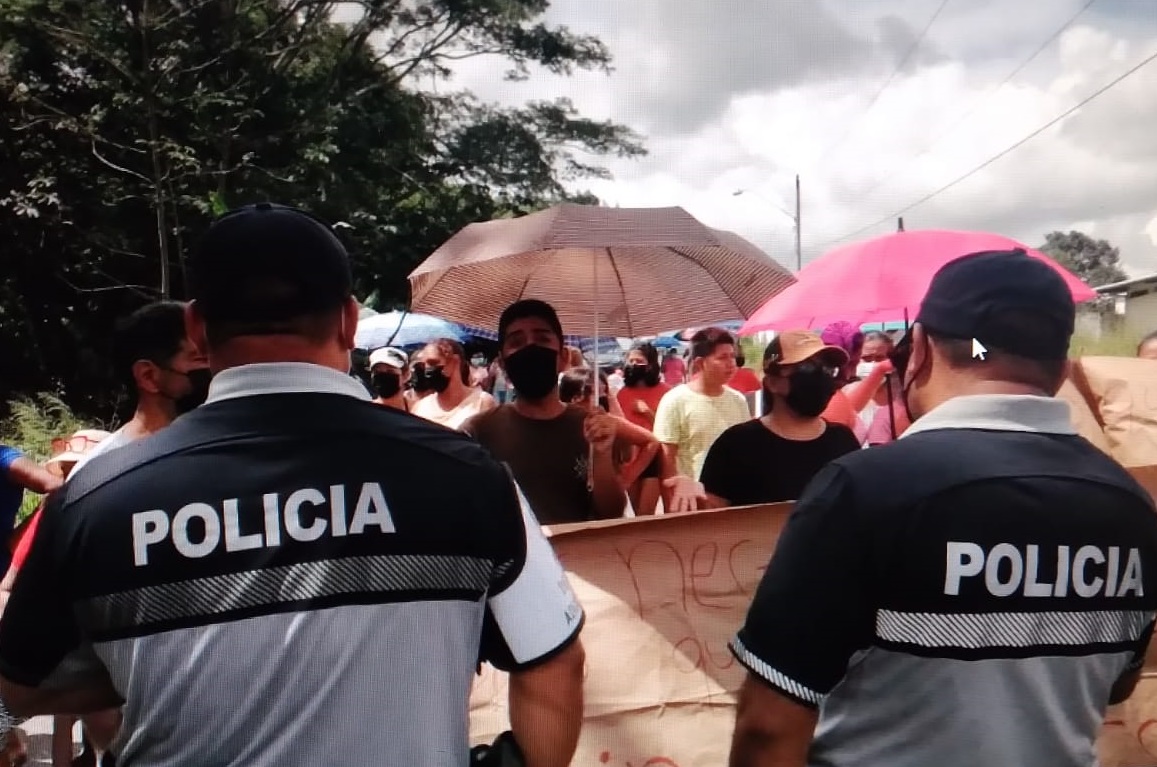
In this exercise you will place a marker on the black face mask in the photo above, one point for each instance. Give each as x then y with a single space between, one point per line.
386 385
436 380
811 391
199 379
640 374
533 371
900 356
418 381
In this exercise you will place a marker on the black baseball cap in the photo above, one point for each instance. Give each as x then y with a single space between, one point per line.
1006 300
268 263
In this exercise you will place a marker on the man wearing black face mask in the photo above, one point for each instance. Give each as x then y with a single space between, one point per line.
290 529
771 459
546 442
389 372
165 373
168 377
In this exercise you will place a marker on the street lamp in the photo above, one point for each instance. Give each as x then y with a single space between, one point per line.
795 218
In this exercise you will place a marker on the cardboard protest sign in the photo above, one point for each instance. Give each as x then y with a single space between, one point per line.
1122 392
1084 418
663 596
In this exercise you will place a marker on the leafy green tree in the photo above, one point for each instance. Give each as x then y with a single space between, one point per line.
1095 262
128 124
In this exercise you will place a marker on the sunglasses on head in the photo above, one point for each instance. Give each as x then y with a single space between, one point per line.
72 444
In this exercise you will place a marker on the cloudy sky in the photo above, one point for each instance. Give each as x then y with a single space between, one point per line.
745 94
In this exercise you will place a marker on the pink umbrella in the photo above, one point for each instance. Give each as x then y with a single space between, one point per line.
881 280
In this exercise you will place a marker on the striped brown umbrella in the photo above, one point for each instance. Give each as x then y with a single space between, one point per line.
623 272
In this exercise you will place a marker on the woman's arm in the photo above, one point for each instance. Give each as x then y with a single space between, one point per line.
632 434
613 406
859 395
648 447
630 472
32 476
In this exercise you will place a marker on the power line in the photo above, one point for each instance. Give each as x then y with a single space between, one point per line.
1112 83
895 72
985 98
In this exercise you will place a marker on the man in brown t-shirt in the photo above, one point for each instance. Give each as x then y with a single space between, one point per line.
548 443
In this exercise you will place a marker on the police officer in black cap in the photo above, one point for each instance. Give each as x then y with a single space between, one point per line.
976 592
291 574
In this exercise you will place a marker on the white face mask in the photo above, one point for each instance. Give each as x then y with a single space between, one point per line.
865 368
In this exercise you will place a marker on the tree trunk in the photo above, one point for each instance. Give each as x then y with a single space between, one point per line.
154 153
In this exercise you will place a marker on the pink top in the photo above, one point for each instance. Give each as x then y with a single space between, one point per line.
880 431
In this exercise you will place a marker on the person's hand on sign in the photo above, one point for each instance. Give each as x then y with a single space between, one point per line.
599 429
686 493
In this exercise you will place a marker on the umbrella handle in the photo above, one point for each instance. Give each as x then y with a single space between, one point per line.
595 395
891 405
401 321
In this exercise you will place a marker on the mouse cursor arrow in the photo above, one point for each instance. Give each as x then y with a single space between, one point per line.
978 350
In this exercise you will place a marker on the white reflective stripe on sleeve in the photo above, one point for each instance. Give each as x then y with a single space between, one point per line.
539 611
987 630
773 676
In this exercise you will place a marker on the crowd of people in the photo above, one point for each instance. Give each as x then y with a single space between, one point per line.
278 541
680 420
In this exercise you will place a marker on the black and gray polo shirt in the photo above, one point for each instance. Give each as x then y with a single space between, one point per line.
967 595
290 574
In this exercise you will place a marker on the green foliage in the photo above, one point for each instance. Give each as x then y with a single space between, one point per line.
1119 343
32 425
128 125
1095 262
752 353
35 421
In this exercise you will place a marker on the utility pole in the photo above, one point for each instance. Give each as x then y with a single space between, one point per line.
795 218
798 229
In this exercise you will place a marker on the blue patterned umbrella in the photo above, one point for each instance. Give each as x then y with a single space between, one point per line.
404 329
665 342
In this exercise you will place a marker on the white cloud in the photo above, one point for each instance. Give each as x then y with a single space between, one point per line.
747 93
1098 166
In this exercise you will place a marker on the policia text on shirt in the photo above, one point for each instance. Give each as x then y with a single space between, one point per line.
1005 570
199 529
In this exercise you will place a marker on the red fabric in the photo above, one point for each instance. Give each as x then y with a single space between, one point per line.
674 371
880 280
649 395
745 380
23 539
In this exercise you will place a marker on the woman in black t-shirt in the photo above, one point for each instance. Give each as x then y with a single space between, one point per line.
771 459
